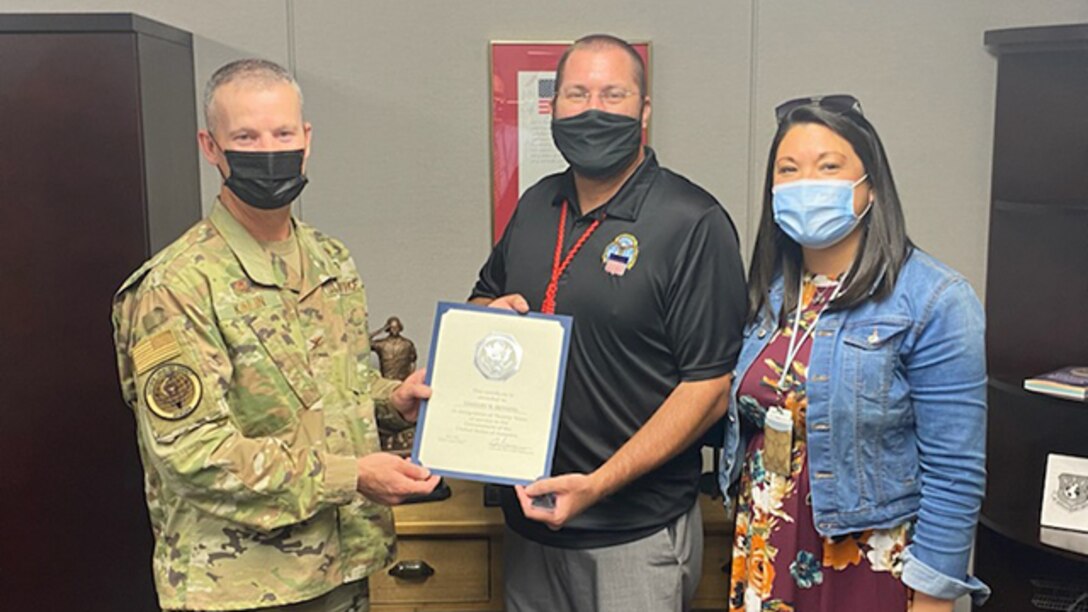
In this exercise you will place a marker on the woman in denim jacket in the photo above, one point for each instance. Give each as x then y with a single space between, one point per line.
860 390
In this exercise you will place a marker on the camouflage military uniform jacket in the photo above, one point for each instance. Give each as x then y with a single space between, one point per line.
252 402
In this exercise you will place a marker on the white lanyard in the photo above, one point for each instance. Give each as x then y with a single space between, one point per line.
795 345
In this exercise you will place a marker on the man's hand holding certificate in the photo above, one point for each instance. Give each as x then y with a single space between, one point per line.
497 381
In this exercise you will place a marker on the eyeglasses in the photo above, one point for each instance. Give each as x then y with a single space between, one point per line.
609 95
836 103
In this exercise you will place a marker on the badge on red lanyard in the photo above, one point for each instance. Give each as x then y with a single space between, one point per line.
559 266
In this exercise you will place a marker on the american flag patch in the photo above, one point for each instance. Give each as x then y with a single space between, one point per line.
616 264
153 350
545 90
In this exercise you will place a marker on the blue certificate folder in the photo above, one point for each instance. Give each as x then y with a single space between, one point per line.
497 386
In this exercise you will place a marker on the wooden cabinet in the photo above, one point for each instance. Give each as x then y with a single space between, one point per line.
98 169
452 573
450 557
460 541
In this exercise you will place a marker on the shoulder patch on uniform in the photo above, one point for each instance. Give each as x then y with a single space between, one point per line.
155 349
173 391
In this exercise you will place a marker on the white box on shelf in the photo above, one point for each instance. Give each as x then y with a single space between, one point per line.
1063 522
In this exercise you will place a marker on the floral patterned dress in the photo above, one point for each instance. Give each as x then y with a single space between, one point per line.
780 562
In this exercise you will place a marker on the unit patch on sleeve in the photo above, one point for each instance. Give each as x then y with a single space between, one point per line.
173 391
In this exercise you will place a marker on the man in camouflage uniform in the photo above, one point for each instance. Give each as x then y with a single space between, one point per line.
243 351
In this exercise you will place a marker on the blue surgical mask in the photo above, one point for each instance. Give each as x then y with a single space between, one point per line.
816 213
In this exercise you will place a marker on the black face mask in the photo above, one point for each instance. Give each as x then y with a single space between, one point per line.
266 179
597 144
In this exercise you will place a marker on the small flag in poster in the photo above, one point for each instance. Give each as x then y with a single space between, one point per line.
545 93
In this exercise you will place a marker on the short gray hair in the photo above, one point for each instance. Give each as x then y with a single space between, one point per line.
250 69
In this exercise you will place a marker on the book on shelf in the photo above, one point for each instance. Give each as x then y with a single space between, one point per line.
1070 382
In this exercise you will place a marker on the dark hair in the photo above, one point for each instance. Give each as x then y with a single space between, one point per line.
597 41
884 243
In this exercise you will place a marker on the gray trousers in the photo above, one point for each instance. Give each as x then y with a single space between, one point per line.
660 572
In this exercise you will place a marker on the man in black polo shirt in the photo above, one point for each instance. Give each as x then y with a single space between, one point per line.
647 263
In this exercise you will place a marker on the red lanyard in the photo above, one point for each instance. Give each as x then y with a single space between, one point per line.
559 268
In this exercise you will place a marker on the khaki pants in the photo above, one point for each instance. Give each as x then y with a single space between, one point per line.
350 597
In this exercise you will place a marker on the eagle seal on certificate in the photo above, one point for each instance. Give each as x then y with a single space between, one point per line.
498 356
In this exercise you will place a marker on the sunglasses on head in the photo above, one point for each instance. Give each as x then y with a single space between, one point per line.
836 103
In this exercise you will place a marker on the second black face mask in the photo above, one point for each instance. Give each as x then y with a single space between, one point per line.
598 144
266 179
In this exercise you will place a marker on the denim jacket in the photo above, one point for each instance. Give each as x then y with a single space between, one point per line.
896 419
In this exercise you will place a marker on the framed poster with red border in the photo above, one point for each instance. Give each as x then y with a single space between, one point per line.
522 152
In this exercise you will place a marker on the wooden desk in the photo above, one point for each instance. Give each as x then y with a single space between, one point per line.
460 540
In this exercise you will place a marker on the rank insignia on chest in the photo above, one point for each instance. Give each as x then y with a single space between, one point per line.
173 391
620 255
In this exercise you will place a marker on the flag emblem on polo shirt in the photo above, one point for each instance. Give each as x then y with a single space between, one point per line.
620 255
545 89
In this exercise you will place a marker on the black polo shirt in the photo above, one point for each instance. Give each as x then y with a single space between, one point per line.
658 297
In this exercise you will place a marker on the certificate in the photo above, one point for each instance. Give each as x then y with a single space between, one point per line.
497 383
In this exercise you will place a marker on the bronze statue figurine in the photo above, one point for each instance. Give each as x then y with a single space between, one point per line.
396 359
396 354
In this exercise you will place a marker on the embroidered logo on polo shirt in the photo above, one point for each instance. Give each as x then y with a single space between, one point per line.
620 255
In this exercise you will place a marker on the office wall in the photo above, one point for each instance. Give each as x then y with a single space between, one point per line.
398 95
924 80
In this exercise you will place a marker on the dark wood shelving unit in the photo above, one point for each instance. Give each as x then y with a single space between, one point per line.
98 169
1036 307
